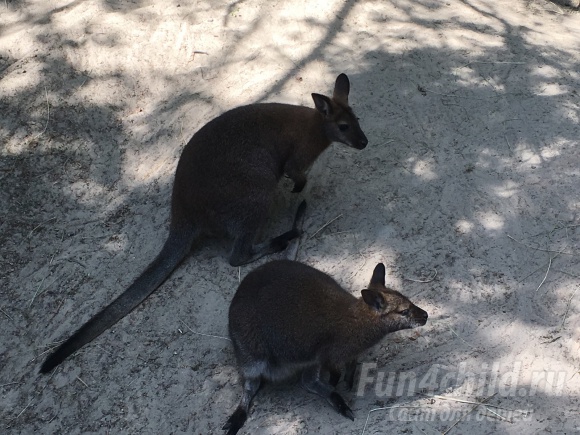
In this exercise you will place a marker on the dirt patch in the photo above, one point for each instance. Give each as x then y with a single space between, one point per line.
468 192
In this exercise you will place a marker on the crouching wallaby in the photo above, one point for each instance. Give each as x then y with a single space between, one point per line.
288 318
224 185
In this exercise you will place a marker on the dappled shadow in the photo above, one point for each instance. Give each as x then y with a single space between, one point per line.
465 149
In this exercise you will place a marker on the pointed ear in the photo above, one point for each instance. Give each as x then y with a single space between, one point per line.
322 104
341 89
373 299
379 275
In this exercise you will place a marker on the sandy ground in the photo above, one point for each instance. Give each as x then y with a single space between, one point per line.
472 112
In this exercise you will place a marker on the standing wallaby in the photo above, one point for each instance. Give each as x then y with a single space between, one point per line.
288 318
225 181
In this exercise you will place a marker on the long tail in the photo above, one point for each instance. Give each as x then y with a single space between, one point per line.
176 248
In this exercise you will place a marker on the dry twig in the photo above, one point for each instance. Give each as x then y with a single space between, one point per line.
567 309
205 335
39 225
382 409
478 404
324 226
9 425
471 402
547 272
541 249
457 335
6 314
431 278
47 115
82 382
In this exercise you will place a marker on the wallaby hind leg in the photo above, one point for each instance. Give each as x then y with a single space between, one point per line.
312 382
334 374
238 418
244 251
349 374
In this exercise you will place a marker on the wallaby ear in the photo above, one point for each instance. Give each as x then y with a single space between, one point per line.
341 89
373 299
323 104
379 275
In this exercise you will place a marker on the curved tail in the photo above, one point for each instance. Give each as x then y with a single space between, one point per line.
176 248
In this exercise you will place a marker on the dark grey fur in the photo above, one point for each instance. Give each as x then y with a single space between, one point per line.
288 318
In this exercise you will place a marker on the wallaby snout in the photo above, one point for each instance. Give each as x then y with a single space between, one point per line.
420 316
351 134
362 141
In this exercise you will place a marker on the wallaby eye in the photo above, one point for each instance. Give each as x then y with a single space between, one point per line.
343 127
405 312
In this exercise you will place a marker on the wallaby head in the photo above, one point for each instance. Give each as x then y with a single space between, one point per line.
340 123
391 309
288 318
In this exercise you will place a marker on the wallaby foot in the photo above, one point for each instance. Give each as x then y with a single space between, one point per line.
297 175
340 405
278 244
312 382
299 185
297 224
236 421
244 252
240 415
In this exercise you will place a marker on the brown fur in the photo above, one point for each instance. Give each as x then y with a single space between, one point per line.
225 181
288 318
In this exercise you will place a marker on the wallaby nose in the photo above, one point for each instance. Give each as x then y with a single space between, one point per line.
363 142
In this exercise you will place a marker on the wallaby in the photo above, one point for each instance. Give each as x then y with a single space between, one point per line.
288 318
224 184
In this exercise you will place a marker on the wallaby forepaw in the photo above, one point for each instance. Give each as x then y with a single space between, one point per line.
299 187
340 405
334 378
279 243
349 383
300 212
235 422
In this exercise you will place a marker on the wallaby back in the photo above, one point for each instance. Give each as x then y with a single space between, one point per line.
236 160
288 318
225 181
